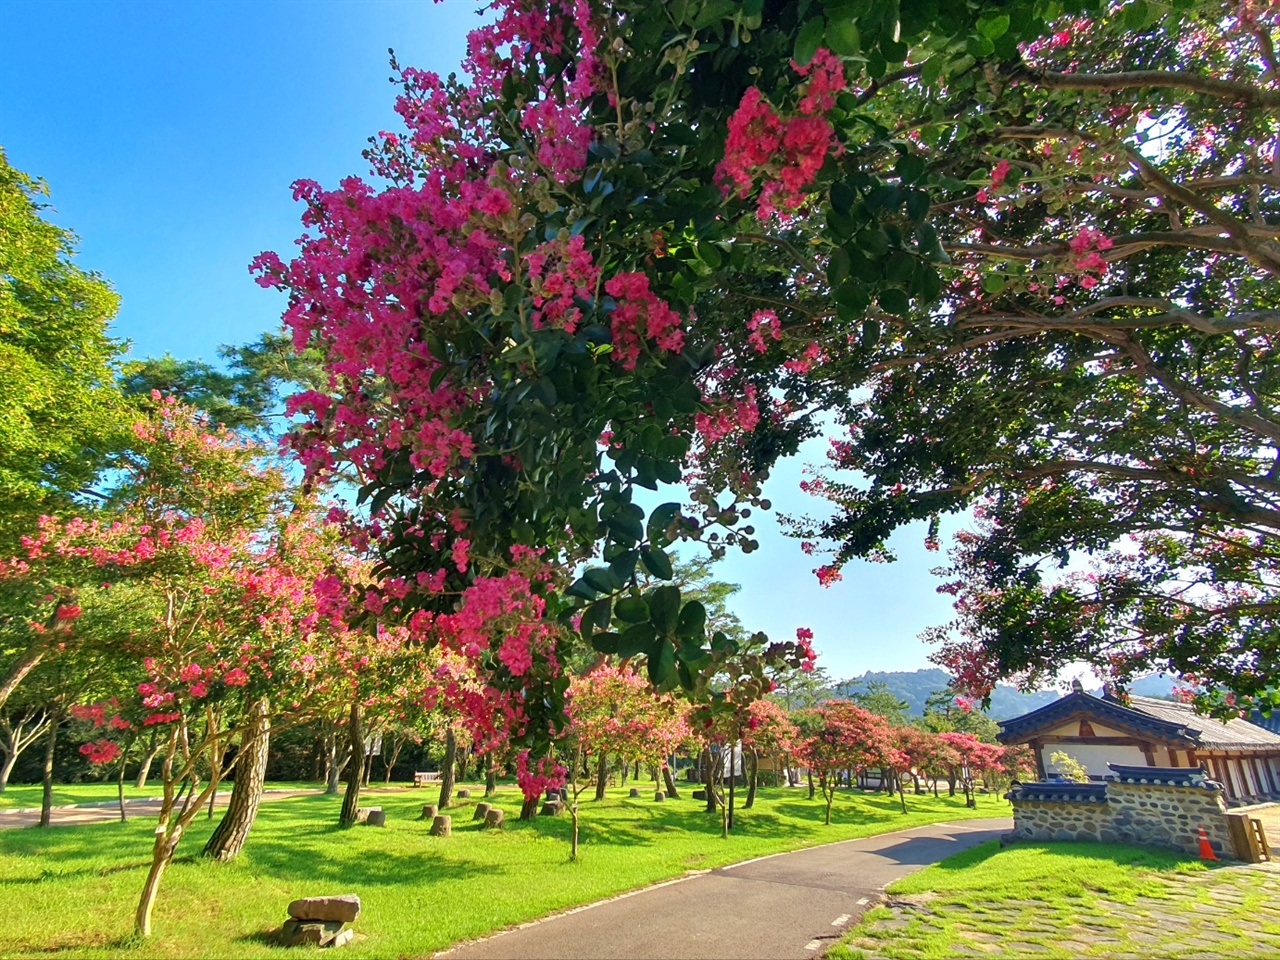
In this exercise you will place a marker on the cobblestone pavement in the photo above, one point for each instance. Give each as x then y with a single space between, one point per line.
1230 912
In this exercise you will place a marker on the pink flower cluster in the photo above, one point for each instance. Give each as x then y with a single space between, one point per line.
547 775
560 273
100 751
640 315
785 153
1086 245
729 417
763 323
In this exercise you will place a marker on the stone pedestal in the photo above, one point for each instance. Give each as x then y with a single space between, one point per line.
442 825
659 796
481 810
493 818
429 811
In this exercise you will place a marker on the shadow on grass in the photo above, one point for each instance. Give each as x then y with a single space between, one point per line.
1151 858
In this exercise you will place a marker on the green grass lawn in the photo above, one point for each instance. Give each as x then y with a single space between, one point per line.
22 795
1065 900
79 885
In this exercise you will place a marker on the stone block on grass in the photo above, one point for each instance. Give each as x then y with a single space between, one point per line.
552 808
635 792
442 825
464 794
659 796
429 811
481 810
344 908
699 795
377 818
493 819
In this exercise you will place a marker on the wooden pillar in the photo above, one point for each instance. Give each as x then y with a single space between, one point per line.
1036 746
1173 757
1148 751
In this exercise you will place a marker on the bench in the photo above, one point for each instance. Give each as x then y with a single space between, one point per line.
422 779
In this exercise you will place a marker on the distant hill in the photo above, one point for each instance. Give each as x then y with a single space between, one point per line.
914 686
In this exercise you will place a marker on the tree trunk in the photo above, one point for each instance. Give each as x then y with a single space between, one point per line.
246 792
529 809
811 783
395 755
670 782
124 761
625 767
491 780
29 660
755 775
51 741
464 764
708 780
355 772
733 780
162 853
446 768
636 776
902 795
602 774
6 768
144 770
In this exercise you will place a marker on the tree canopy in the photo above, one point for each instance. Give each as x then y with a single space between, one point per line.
61 413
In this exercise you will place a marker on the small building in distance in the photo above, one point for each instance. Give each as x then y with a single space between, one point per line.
1095 731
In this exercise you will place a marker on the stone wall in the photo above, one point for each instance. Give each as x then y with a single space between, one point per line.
1150 814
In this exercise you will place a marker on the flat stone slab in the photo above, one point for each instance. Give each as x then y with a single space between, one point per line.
344 908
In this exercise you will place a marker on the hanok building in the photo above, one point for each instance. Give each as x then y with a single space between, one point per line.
1094 731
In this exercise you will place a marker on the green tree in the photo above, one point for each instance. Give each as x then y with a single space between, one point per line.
61 413
880 700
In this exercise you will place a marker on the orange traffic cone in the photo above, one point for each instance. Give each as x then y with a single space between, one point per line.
1206 850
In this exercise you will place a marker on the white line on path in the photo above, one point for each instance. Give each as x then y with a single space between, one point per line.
842 919
813 945
863 901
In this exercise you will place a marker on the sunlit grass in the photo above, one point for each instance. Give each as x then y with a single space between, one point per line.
79 885
1058 899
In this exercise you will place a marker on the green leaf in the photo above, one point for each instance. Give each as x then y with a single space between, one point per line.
892 300
994 27
595 617
1137 14
657 563
808 40
893 51
636 639
993 283
662 667
632 610
693 620
581 589
686 676
842 37
664 609
659 520
605 642
600 580
623 566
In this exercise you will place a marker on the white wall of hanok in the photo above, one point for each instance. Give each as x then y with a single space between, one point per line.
1094 757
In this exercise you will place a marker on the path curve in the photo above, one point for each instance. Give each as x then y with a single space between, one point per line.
108 811
789 905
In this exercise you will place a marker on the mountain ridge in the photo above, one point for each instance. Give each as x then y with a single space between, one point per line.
914 686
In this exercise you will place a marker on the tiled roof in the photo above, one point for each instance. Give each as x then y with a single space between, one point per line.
1162 720
1020 729
1209 732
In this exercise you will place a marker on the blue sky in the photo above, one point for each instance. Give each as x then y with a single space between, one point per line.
169 134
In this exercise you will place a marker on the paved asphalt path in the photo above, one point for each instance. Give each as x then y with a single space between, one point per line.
792 905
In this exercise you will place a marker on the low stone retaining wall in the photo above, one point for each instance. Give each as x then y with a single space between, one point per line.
1153 806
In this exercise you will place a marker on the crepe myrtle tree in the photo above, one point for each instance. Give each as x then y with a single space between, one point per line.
840 737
